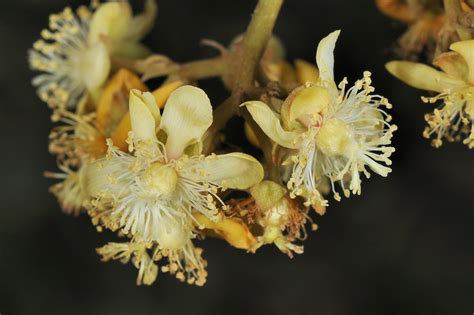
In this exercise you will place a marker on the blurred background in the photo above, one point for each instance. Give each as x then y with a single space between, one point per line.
404 247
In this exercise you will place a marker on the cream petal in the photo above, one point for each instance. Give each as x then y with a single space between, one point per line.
308 101
421 76
143 118
142 23
187 115
270 124
130 49
233 170
325 56
95 66
96 176
466 49
112 19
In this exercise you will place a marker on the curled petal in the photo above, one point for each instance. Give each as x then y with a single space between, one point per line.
305 101
142 115
270 124
466 49
325 56
452 64
233 170
233 230
111 20
187 115
422 77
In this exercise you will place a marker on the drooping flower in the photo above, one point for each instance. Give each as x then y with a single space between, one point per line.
282 218
74 53
455 84
152 192
334 133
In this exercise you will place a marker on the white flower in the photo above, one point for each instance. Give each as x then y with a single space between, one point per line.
153 191
336 133
455 85
74 53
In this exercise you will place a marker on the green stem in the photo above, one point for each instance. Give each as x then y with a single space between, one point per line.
191 71
254 43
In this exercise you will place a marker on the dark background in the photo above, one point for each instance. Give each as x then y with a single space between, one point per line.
403 247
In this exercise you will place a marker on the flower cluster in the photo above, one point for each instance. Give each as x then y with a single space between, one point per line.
453 82
149 163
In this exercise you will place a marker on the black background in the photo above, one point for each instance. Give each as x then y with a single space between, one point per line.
403 247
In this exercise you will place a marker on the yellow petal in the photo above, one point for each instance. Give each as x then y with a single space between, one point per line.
95 66
141 116
287 74
187 115
120 135
421 76
111 20
325 56
306 72
466 50
270 124
113 102
232 170
162 93
233 230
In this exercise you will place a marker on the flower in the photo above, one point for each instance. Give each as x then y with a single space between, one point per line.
74 53
75 143
455 85
334 134
152 192
282 219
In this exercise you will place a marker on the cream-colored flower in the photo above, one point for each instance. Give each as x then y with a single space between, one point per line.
281 218
74 53
153 191
455 85
186 264
335 133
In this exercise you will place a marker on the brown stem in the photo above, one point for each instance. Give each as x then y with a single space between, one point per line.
202 69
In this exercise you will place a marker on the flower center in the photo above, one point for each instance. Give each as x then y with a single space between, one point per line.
335 138
160 179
